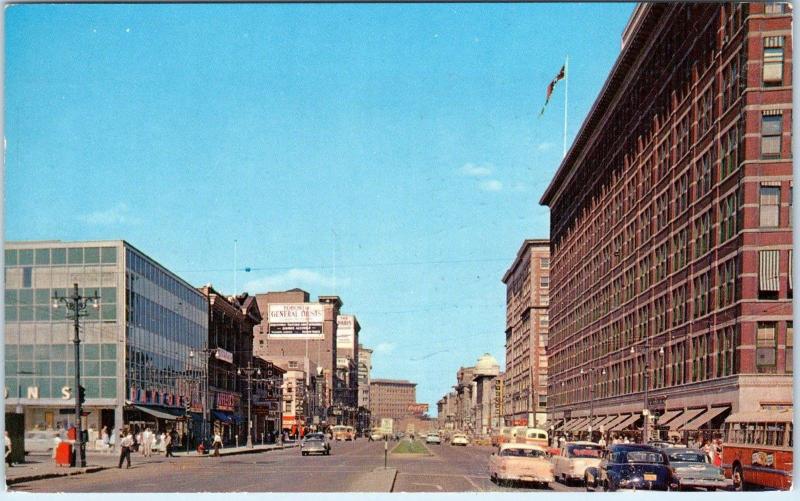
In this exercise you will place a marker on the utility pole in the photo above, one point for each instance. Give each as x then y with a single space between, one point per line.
249 371
76 307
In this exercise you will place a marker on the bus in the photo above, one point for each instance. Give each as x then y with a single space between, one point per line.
342 432
757 449
534 436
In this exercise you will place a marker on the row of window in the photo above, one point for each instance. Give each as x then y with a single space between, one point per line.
96 387
61 256
45 352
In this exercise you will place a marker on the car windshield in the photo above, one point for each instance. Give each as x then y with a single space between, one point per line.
522 453
688 457
585 451
644 457
315 436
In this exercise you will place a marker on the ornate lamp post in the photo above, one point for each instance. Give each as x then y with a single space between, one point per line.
249 371
76 308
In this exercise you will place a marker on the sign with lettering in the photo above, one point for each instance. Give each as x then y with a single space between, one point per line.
226 401
224 355
345 332
296 321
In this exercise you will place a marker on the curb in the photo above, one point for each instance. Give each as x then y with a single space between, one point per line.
368 481
44 476
246 451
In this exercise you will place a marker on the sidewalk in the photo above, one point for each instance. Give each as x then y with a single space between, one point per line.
38 467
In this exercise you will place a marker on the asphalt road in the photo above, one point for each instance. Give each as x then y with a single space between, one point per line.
449 469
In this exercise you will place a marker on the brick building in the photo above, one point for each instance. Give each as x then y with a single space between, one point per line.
297 334
391 398
527 294
671 227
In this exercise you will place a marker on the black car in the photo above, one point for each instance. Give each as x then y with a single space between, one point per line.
630 466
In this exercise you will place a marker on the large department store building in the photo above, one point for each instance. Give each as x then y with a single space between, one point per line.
671 230
135 347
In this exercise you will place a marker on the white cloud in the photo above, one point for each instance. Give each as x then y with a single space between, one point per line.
544 146
296 277
492 185
519 187
473 170
119 214
384 347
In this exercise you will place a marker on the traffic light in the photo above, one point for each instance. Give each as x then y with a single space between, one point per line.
188 406
81 395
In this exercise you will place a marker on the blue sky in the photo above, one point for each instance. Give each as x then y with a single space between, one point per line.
391 154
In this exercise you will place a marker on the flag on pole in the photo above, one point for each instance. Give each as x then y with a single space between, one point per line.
561 74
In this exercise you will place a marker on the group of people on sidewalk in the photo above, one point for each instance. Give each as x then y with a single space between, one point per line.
146 439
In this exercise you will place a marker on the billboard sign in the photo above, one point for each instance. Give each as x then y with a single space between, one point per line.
224 355
345 332
296 321
418 409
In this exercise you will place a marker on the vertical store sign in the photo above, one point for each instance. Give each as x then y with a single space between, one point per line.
345 332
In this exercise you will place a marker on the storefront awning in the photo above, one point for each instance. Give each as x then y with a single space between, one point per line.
761 416
577 424
616 419
156 412
621 425
679 421
668 416
605 420
704 418
222 416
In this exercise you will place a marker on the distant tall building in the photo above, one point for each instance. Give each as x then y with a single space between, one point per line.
527 296
347 352
671 228
364 371
391 398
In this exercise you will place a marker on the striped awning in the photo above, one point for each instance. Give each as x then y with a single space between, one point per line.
615 420
704 418
690 414
606 419
668 416
624 424
769 270
578 424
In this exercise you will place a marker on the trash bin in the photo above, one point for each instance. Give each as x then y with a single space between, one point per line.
64 456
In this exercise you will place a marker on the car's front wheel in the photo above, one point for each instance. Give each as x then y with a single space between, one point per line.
738 478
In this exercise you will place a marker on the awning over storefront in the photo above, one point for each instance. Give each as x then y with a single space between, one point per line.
761 416
668 416
615 420
621 425
578 424
679 421
156 412
704 418
606 419
222 416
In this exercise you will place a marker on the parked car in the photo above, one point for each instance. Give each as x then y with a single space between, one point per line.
315 443
574 458
459 439
693 468
660 444
630 466
433 438
376 435
520 463
40 441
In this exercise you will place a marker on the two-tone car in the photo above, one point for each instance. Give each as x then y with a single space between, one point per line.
574 458
521 463
315 443
630 466
693 468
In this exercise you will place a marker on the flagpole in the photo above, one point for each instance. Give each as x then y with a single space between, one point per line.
566 101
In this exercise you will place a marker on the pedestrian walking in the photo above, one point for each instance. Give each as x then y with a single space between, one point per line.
602 441
126 444
217 443
625 440
8 449
147 442
168 445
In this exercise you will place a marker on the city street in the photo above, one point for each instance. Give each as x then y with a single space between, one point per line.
449 469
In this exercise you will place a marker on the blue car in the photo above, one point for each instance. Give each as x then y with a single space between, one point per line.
630 466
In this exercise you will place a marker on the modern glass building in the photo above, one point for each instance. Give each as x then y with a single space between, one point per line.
135 363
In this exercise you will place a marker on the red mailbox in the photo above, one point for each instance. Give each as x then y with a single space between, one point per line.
64 454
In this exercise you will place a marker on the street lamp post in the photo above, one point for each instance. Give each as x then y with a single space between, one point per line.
249 371
646 377
591 371
76 307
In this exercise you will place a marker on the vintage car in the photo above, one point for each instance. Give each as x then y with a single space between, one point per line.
315 443
41 441
433 438
459 439
573 459
520 463
693 468
630 466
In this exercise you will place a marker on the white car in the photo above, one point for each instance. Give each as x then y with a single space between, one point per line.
520 463
573 459
459 439
433 438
